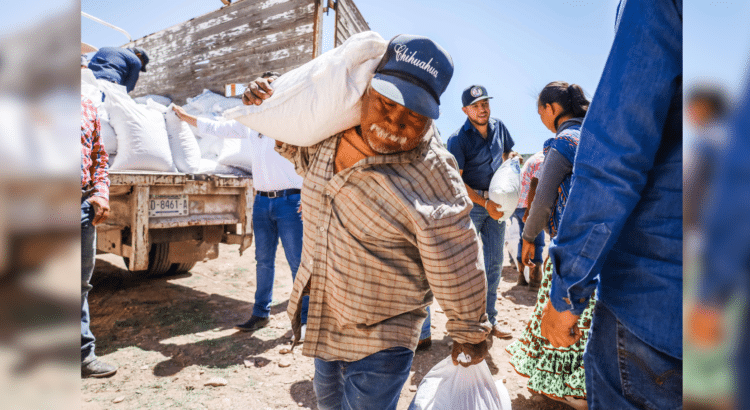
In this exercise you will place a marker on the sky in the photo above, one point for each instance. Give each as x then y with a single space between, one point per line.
512 47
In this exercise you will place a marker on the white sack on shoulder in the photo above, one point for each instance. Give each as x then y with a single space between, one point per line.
142 140
450 387
505 187
320 98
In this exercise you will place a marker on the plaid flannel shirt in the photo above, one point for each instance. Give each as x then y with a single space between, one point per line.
380 238
94 169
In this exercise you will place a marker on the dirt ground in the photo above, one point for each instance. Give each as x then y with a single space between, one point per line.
173 337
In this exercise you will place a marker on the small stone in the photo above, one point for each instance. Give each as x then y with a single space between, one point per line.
118 399
144 367
412 388
300 404
216 382
285 350
504 380
201 371
284 363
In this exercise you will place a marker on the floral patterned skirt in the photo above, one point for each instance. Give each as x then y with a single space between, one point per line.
554 372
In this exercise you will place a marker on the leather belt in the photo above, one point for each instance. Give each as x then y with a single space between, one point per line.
483 194
278 194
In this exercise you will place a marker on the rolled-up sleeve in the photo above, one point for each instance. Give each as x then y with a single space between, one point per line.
449 254
225 129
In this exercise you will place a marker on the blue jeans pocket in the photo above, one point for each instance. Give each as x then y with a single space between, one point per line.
649 377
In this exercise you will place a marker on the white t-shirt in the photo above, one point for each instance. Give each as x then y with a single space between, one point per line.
271 171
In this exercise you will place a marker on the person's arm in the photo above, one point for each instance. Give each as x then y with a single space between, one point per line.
530 197
449 248
554 171
184 116
508 144
133 70
618 145
225 129
455 148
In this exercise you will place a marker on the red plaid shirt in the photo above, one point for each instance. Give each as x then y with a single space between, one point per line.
94 173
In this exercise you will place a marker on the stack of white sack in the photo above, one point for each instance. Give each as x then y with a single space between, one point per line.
182 143
142 139
210 105
90 90
165 101
320 98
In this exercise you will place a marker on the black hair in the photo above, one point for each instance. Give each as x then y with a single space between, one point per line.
713 95
270 74
569 96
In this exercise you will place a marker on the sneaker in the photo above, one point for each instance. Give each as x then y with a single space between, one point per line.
255 323
424 344
98 368
501 332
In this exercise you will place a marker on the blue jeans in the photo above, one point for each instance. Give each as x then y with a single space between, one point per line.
426 332
623 372
275 218
372 383
493 237
538 241
88 254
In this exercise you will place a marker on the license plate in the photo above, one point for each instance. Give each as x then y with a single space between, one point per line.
168 205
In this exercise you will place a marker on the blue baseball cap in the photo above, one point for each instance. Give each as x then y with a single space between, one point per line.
414 72
474 93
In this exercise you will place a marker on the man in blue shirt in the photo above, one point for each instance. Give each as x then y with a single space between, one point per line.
480 146
119 65
621 232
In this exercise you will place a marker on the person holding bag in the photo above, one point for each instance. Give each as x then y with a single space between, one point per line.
555 373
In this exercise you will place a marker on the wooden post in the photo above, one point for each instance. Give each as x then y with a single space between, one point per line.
139 228
318 28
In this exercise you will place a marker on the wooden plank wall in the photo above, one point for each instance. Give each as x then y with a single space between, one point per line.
234 44
349 21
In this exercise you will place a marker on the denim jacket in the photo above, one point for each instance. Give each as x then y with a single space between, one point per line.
622 227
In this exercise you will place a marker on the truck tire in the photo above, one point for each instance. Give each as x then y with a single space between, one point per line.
158 262
184 267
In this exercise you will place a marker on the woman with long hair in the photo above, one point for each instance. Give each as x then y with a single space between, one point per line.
554 372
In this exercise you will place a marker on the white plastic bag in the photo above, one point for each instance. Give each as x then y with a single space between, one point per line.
505 187
450 387
320 98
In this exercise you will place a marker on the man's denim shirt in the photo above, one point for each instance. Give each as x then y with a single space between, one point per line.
622 227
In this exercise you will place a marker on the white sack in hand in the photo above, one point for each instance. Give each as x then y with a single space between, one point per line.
320 98
450 387
505 187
